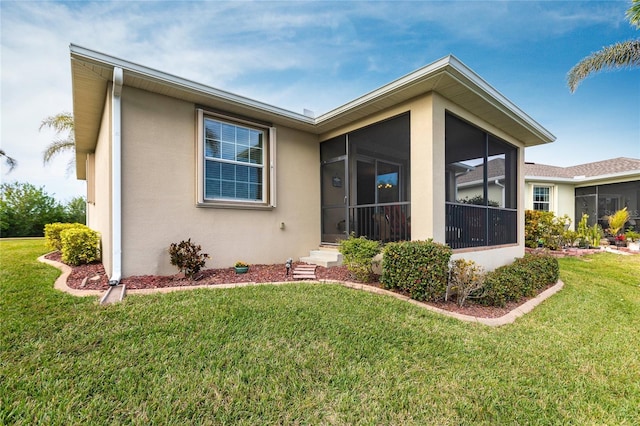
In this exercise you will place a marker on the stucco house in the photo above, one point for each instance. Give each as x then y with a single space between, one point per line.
597 189
166 159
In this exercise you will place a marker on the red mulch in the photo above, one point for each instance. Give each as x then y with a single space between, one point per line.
81 278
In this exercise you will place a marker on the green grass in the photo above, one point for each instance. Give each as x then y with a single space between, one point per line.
314 354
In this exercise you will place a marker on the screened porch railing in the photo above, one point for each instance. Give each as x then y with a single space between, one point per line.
382 222
468 225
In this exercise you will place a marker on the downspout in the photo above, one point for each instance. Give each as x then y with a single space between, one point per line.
497 182
116 178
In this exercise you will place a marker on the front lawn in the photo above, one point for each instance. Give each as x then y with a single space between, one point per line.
314 354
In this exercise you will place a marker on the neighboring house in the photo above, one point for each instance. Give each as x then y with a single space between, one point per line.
597 189
166 159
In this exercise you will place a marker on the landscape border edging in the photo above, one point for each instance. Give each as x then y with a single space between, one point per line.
508 318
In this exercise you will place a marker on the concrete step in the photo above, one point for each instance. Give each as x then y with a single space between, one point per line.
324 256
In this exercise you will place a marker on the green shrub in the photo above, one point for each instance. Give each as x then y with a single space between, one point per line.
544 228
523 278
632 235
588 236
358 256
187 257
52 233
617 221
466 280
79 244
419 268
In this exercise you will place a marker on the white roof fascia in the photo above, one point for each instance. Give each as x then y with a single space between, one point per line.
549 179
484 89
183 83
479 87
407 80
584 179
477 84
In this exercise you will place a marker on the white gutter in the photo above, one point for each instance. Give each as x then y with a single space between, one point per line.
185 84
582 179
116 178
497 182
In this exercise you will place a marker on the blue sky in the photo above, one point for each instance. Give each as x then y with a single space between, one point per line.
320 55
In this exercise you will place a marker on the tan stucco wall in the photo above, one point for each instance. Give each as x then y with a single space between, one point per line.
159 200
562 198
99 186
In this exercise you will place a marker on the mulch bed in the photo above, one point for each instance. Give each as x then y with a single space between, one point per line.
92 277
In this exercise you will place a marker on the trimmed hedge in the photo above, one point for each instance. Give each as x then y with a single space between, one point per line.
358 256
52 233
418 267
523 278
80 244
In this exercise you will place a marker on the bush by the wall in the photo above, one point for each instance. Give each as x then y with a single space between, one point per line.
80 244
358 256
52 233
187 257
417 267
524 277
544 228
466 281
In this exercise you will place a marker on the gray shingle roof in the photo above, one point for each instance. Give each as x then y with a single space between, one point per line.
598 168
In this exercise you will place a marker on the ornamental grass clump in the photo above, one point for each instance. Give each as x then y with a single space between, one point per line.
617 221
187 257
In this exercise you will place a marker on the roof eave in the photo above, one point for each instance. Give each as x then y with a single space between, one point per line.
465 76
400 89
584 179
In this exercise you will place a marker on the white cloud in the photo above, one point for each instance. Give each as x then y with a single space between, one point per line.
291 54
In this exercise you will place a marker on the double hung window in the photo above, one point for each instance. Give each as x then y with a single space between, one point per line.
542 198
236 166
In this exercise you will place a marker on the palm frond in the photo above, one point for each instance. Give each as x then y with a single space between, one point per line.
620 55
11 162
633 13
59 122
56 147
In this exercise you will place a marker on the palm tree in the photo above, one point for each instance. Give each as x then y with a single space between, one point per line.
12 163
625 54
61 123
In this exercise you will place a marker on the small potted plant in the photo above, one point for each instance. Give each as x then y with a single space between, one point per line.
241 267
633 240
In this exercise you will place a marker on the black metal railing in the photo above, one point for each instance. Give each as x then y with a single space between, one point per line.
468 225
382 222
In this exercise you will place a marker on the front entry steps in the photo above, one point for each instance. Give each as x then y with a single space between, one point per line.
326 256
305 272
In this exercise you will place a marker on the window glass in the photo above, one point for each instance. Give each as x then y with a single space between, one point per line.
481 184
541 198
234 161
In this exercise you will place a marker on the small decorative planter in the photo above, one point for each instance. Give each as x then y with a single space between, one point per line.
633 246
241 269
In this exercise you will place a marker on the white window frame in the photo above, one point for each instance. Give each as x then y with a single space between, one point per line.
268 164
533 197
